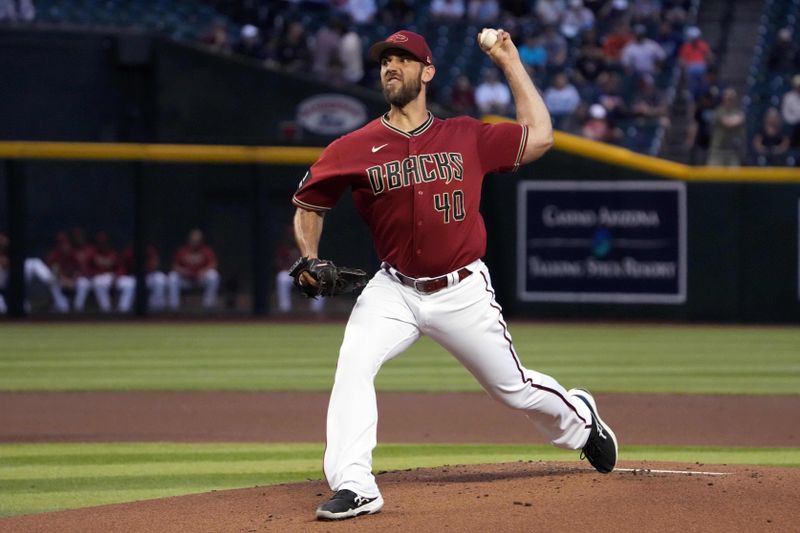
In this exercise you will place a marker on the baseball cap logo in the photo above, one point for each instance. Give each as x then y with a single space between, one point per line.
397 38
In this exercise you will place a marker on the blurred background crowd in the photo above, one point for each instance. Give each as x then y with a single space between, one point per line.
637 73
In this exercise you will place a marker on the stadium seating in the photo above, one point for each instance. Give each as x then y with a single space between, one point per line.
766 86
452 44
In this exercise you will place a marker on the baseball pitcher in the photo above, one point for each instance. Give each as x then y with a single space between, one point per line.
416 181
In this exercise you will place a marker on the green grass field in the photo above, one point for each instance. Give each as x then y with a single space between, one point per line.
264 357
43 477
272 357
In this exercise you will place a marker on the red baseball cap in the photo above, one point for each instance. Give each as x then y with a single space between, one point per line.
411 42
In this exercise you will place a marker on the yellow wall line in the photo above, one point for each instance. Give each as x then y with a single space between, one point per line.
623 157
292 155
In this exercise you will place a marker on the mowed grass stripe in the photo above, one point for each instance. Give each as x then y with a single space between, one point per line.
40 477
302 357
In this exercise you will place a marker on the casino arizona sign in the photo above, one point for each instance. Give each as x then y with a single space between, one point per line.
418 168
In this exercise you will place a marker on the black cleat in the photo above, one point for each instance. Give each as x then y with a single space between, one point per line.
348 504
601 449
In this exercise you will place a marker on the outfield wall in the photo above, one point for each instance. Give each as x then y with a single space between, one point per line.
740 240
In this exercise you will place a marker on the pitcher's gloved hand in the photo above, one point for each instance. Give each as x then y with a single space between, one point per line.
320 277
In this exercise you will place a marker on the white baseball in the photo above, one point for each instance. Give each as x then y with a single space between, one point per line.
488 38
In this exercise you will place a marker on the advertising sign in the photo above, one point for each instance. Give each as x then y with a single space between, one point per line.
331 114
601 242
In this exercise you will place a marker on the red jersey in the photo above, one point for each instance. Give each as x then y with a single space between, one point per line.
694 53
83 255
195 260
613 45
418 192
126 266
102 261
65 263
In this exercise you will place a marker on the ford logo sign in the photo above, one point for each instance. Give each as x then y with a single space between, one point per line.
331 114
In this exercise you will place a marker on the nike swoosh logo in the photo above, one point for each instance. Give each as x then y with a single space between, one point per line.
376 148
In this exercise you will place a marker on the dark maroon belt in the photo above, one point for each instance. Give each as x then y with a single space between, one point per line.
426 286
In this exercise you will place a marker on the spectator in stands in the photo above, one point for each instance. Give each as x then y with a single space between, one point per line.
398 12
574 123
597 126
770 142
492 96
781 58
694 55
216 38
615 42
674 11
102 269
462 97
561 98
351 55
614 13
155 280
361 12
533 55
790 110
698 139
669 39
556 47
447 10
590 61
17 10
611 98
484 12
648 102
66 267
250 44
292 51
576 19
642 55
34 270
727 131
645 12
549 12
194 266
326 47
711 84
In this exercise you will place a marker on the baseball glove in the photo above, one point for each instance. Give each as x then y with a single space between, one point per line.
320 277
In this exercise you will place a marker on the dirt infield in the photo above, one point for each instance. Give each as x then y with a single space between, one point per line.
524 496
404 417
511 497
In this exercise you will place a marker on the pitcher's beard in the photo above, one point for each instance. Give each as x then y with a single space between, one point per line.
407 93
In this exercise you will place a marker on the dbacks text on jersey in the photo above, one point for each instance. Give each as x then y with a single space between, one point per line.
419 168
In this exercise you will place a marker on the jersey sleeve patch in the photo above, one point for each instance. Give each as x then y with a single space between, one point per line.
324 183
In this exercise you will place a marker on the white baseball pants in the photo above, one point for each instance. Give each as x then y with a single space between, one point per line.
209 282
467 321
156 283
37 270
101 284
82 287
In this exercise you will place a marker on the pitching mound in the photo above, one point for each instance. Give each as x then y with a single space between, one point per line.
531 496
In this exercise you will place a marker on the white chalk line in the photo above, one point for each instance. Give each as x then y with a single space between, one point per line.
681 472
